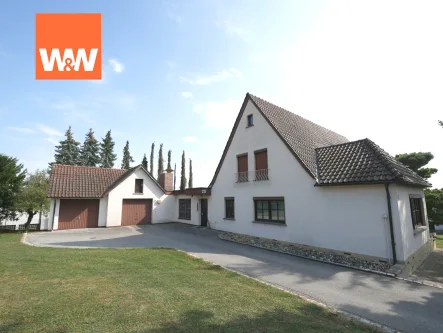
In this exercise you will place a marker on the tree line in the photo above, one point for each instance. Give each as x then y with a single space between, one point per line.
93 153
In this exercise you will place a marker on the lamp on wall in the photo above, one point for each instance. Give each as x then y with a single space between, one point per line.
159 201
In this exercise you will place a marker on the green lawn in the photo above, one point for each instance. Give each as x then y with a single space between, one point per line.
439 240
142 290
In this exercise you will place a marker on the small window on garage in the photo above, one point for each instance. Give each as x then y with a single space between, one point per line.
250 120
184 209
139 186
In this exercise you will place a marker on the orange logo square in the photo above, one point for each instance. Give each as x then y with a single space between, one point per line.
68 47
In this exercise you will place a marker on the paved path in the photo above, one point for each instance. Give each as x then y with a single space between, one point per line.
406 306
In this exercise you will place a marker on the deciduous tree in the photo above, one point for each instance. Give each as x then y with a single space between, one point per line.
12 176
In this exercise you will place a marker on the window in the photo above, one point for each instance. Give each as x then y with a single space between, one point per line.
184 209
138 186
261 165
270 209
229 208
242 168
417 211
250 120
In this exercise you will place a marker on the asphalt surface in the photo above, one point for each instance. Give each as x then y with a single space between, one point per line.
405 306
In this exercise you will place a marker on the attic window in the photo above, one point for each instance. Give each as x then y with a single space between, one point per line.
139 186
250 120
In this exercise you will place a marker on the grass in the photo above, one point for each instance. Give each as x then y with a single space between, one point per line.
439 240
143 290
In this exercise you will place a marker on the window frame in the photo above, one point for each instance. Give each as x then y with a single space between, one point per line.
138 185
229 199
250 120
269 204
417 208
187 209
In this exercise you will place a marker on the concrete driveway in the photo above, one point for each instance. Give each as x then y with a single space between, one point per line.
402 305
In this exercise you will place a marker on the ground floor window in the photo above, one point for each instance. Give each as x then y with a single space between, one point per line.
229 208
270 209
417 211
184 209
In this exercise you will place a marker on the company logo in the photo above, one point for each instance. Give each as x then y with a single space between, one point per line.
68 47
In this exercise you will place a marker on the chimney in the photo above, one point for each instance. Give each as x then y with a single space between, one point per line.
166 180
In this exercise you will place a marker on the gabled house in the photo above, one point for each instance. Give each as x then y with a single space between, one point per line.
280 177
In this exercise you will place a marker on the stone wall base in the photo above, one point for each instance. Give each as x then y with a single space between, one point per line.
416 259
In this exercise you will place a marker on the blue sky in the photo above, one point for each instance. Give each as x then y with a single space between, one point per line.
176 73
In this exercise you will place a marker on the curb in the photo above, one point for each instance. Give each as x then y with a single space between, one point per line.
391 275
346 314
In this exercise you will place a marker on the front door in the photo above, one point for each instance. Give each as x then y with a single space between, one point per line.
204 212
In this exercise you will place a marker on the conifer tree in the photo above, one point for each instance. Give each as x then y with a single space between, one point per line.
67 152
127 158
175 174
89 152
190 183
145 162
183 173
152 159
107 156
160 162
169 169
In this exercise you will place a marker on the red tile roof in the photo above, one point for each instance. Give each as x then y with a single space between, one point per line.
69 181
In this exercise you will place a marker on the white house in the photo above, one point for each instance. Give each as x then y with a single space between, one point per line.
280 177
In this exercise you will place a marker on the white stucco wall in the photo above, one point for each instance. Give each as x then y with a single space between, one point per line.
407 241
195 209
53 214
346 218
125 190
103 211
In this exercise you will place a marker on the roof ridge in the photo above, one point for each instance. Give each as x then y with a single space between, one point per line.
85 166
297 115
340 144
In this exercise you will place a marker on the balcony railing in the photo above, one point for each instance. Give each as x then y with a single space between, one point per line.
254 175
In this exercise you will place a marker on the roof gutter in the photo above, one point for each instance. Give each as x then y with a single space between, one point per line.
391 225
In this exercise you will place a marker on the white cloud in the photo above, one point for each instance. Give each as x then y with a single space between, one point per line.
49 131
210 79
116 66
233 28
191 139
21 129
52 141
186 94
219 114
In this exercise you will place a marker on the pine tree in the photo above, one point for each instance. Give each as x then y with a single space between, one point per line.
190 183
152 159
169 169
145 162
67 152
89 152
183 173
107 156
160 161
127 158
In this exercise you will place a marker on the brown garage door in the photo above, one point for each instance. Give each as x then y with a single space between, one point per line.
136 211
78 213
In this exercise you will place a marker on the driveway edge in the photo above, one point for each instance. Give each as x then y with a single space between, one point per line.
391 275
346 314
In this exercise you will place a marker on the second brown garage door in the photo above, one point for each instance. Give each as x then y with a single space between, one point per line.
78 213
136 211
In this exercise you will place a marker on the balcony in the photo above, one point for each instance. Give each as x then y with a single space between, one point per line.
254 175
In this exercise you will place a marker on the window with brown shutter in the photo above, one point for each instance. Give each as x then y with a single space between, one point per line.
138 186
261 165
242 168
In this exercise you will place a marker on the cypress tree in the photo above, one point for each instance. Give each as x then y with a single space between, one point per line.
68 152
175 174
169 169
127 158
152 159
107 156
89 152
183 173
160 161
190 183
145 162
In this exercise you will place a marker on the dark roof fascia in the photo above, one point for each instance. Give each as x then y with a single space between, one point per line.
372 183
234 129
127 174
